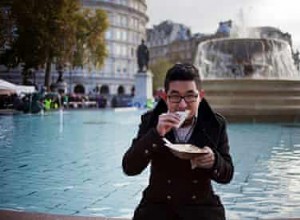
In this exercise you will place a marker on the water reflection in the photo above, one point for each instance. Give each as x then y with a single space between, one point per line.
267 174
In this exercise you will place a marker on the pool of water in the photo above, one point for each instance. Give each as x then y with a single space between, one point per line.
70 163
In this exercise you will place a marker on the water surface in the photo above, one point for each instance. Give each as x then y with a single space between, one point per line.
70 164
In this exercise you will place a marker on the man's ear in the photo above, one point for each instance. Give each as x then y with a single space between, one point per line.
202 93
163 95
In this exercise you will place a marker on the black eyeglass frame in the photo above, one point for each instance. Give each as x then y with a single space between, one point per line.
192 96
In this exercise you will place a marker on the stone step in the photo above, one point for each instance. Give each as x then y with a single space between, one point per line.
283 118
274 93
250 83
258 107
243 113
254 100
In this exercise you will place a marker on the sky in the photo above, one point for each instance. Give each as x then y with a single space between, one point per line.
204 15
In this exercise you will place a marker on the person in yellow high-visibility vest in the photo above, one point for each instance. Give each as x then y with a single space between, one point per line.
47 104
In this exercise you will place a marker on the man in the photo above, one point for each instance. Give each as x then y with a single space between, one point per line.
180 188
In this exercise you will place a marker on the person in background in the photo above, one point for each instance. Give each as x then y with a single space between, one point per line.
179 187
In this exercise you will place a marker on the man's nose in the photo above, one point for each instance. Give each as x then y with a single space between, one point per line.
182 104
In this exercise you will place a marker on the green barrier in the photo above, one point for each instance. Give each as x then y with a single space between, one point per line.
149 103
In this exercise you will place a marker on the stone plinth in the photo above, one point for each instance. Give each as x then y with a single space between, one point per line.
143 88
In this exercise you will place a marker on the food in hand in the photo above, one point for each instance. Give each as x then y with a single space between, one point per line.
183 115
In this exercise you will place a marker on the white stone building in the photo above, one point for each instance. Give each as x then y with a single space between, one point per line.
127 19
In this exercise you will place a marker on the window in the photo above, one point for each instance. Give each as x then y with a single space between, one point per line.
118 35
124 35
124 20
111 18
117 49
117 19
124 50
108 35
110 48
130 22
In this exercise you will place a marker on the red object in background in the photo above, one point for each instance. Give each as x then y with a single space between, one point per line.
160 94
202 93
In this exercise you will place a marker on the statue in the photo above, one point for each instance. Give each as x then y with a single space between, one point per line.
142 57
224 28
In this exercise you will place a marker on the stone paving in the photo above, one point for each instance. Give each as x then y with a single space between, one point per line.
88 181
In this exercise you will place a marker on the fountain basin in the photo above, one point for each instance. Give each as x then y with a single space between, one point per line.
250 79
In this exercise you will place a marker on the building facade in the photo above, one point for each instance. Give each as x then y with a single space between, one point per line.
127 19
173 42
161 40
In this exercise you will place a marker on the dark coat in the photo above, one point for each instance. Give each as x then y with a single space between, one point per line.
173 185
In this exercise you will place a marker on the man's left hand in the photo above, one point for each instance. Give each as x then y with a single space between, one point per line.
205 161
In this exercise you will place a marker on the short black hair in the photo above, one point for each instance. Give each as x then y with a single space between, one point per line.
182 72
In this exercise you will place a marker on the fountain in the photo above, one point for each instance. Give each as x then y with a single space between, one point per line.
250 78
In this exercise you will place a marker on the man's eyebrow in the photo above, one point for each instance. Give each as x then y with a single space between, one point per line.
174 92
191 91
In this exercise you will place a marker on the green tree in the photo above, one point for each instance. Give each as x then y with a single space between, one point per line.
51 31
159 70
7 35
2 28
90 38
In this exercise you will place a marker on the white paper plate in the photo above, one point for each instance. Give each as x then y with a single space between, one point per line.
184 148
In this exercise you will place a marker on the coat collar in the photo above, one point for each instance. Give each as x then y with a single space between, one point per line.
207 122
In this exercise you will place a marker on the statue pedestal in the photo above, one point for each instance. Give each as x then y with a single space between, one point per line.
143 89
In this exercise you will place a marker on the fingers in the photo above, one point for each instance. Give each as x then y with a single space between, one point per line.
166 122
169 118
204 160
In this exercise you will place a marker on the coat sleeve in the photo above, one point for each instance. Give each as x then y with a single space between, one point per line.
143 146
223 168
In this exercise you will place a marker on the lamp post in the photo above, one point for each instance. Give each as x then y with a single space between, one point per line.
70 77
70 91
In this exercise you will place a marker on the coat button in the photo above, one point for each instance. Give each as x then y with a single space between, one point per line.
169 181
169 197
216 172
154 145
194 197
146 151
195 181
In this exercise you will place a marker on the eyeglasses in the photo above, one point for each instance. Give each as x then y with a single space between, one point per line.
187 98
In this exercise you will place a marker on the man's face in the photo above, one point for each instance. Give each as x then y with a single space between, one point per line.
186 89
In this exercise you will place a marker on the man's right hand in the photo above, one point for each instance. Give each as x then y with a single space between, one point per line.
166 122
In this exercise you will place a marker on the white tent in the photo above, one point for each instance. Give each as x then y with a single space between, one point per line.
10 88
